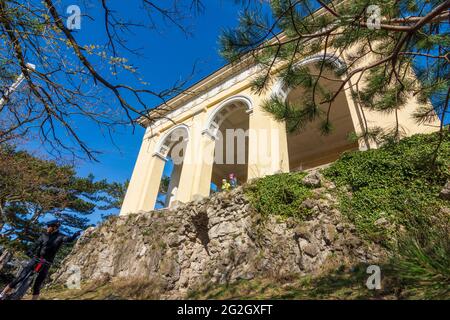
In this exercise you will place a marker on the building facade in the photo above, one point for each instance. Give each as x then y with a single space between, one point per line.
218 127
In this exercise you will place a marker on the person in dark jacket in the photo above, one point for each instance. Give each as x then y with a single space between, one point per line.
46 247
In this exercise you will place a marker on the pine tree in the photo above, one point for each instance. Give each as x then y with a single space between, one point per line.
33 190
409 50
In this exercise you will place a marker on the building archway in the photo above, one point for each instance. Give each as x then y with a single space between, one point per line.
228 125
310 148
171 149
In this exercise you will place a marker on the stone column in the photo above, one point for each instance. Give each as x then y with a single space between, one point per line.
202 180
144 183
268 152
357 118
173 185
192 159
151 187
279 147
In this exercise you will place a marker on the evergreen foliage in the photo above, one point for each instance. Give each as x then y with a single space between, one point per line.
33 190
409 57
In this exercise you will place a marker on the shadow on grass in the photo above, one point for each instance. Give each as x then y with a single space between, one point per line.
340 284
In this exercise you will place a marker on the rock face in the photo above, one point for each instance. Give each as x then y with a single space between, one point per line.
313 179
216 240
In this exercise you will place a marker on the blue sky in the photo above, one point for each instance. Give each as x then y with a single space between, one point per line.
169 55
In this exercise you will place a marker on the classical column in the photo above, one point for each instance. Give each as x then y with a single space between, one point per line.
150 189
268 152
279 147
195 179
144 183
191 160
357 118
202 181
173 184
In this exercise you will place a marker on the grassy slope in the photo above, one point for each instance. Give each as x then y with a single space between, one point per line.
143 289
340 284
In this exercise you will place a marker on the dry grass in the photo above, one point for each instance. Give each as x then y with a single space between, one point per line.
106 289
342 284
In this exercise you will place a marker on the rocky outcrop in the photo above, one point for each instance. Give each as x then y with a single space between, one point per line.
217 240
313 179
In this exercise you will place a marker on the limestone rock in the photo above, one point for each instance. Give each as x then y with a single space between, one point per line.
303 231
311 250
309 203
329 233
220 239
313 179
382 222
340 227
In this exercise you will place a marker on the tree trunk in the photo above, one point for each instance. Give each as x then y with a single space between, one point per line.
4 258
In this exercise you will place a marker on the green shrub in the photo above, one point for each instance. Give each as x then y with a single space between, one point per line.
280 194
397 182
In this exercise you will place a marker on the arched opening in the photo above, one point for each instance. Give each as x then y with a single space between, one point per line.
171 149
309 147
228 126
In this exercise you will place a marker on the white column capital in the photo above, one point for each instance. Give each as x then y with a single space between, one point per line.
159 155
209 134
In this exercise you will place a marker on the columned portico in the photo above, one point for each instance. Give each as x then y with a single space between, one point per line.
223 106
